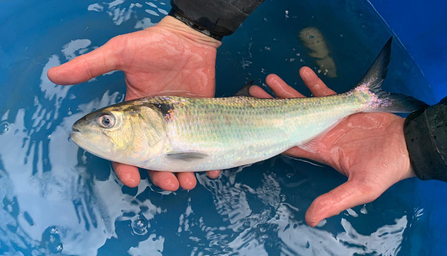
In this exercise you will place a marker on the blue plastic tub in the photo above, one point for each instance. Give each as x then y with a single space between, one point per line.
420 26
57 199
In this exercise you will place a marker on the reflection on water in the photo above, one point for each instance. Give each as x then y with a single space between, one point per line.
263 220
58 199
121 11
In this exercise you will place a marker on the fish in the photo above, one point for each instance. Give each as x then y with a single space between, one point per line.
313 39
178 134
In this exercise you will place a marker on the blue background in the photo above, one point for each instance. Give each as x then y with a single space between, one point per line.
57 199
421 28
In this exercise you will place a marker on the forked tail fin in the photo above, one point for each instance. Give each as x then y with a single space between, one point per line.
384 101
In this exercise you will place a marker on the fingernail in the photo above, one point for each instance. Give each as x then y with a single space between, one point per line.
305 72
322 223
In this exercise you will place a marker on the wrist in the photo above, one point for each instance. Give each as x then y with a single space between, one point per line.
409 172
175 14
181 29
426 136
217 18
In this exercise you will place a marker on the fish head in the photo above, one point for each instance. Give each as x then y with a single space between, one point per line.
125 133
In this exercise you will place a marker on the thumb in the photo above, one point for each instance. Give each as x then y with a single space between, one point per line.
87 66
345 196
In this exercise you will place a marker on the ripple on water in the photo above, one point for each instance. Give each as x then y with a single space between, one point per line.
4 127
51 240
139 226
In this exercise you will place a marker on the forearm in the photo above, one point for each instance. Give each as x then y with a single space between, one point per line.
215 18
426 138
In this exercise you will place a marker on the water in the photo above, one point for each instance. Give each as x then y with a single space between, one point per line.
58 199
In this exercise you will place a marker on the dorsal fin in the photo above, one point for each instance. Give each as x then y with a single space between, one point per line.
245 91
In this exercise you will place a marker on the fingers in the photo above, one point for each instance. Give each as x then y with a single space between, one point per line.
129 175
258 92
343 197
314 83
164 180
90 65
213 174
281 88
187 180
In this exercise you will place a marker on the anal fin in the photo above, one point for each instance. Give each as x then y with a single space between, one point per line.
312 145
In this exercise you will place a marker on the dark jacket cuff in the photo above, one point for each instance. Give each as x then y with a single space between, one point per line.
215 18
426 138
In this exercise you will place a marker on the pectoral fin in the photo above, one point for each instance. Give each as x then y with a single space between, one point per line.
187 156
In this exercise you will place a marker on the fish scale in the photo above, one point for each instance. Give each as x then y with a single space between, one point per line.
239 130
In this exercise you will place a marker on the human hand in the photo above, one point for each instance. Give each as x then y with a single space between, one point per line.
369 148
169 58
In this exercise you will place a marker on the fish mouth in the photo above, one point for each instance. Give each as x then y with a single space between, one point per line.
75 135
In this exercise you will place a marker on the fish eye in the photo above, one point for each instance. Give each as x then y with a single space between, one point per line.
107 121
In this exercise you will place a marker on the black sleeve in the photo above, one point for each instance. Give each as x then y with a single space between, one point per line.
426 137
215 18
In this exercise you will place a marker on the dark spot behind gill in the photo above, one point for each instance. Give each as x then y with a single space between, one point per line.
164 107
166 110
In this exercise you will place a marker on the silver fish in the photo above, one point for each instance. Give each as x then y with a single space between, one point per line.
199 134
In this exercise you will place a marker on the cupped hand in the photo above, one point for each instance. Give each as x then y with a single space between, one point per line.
169 58
369 148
